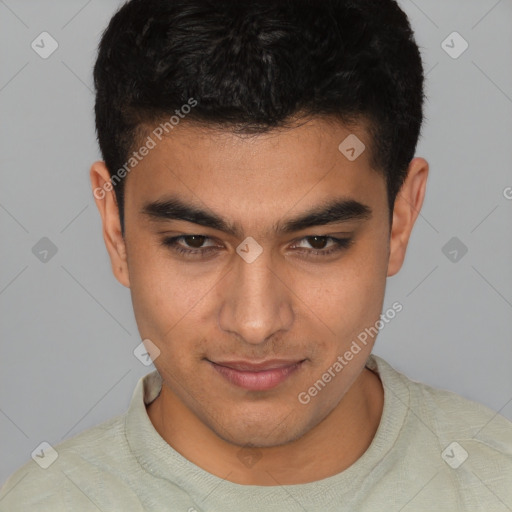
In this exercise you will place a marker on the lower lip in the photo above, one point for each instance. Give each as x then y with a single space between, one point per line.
257 381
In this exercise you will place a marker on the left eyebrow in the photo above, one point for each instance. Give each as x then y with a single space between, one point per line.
330 212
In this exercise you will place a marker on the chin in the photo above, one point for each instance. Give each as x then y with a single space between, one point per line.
261 436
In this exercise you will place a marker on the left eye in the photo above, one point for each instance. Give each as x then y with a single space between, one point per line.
319 242
194 245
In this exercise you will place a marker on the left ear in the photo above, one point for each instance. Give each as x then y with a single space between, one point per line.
408 203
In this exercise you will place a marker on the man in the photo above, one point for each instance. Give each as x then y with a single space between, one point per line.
257 189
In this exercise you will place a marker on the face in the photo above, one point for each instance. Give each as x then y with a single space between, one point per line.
222 274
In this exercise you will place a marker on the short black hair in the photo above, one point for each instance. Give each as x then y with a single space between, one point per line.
253 65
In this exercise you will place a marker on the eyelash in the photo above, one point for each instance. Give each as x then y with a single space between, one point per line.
340 245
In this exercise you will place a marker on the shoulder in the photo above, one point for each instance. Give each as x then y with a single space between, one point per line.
465 444
455 417
470 440
447 414
67 476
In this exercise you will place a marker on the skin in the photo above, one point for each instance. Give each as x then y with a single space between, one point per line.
285 304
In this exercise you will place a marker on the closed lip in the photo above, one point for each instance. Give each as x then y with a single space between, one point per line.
249 366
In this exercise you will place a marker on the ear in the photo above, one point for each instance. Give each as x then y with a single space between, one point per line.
106 202
408 203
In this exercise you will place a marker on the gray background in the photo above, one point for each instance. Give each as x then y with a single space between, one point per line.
67 327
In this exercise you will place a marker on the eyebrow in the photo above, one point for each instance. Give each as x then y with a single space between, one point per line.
329 212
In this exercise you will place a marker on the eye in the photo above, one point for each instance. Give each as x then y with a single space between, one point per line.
319 242
192 246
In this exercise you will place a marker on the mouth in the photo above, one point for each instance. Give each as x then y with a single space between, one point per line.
256 376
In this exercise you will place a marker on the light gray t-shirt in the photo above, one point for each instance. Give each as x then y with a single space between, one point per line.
433 451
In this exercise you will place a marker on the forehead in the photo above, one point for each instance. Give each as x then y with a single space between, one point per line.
277 171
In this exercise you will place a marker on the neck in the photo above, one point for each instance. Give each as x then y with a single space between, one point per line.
329 448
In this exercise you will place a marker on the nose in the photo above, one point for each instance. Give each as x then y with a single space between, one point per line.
256 302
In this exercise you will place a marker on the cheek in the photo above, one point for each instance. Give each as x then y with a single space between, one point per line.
369 286
348 298
164 298
166 311
351 288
